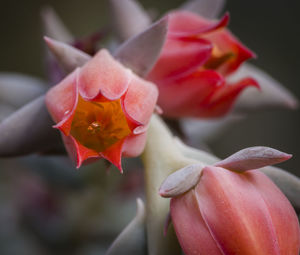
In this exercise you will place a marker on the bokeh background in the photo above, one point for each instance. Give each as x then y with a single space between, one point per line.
46 206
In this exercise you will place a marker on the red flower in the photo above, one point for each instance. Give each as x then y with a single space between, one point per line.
235 213
102 110
190 72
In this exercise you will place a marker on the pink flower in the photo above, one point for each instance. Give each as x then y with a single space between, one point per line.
102 110
229 212
191 71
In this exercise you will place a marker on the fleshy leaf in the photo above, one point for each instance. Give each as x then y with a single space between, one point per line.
206 8
28 130
18 89
181 181
141 52
253 158
54 27
273 95
132 240
68 57
129 18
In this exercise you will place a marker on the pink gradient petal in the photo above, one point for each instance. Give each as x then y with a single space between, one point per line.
61 102
113 154
282 214
222 100
188 24
140 100
100 71
179 56
226 42
77 151
192 233
134 145
235 213
181 97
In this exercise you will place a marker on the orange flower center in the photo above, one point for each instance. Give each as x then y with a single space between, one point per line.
218 58
97 125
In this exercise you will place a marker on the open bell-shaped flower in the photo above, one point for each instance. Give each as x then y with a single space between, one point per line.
102 110
232 210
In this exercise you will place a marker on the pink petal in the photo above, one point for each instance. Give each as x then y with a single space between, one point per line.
140 99
113 154
77 151
61 101
235 213
134 145
188 24
101 70
283 215
182 96
179 56
226 42
192 233
222 100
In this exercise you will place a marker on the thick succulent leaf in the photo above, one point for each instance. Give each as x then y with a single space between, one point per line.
28 130
54 27
67 56
128 18
141 52
132 240
288 183
207 8
253 158
18 89
273 95
5 110
181 181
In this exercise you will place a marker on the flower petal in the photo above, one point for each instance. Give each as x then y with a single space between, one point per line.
191 230
182 96
113 154
235 213
179 56
188 24
93 86
273 94
226 43
61 102
220 102
140 99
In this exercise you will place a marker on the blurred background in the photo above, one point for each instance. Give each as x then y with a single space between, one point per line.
48 207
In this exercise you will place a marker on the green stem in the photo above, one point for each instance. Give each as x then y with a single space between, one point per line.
161 157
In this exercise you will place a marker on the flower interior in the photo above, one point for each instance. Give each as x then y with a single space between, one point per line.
218 58
99 125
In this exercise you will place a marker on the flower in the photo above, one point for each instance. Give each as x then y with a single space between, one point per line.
191 71
235 213
102 110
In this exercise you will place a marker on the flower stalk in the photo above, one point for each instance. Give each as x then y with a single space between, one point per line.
161 157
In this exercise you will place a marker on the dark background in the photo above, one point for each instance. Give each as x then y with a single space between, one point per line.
47 207
269 28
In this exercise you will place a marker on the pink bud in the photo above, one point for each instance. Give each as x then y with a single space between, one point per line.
235 213
196 59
